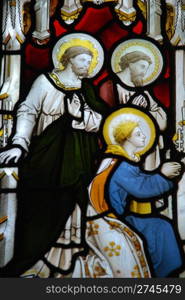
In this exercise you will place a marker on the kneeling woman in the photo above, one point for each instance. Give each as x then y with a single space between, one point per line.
131 192
120 216
126 194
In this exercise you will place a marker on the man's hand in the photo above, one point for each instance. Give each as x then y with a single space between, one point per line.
171 169
12 154
140 101
74 107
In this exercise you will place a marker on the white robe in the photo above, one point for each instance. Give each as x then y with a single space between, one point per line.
43 105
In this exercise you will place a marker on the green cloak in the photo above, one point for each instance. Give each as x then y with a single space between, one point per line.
53 178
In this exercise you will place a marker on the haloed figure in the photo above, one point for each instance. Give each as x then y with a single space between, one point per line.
134 66
56 127
131 190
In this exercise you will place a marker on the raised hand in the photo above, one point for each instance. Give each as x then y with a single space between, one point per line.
74 107
12 154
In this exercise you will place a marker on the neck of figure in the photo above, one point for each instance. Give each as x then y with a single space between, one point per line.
69 78
129 148
125 77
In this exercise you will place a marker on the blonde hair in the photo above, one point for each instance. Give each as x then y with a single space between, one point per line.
124 130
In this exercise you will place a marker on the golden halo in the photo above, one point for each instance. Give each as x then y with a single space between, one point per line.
145 122
79 40
147 48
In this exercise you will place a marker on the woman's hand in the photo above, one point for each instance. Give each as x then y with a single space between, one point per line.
171 169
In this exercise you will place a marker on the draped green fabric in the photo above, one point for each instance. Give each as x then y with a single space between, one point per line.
53 177
61 154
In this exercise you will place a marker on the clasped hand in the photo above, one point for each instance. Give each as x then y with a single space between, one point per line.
171 169
140 101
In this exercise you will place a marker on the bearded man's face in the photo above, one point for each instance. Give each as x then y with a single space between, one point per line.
80 64
138 71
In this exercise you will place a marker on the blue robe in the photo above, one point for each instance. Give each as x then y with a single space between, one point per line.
129 181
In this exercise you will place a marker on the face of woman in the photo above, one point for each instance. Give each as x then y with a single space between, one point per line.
137 138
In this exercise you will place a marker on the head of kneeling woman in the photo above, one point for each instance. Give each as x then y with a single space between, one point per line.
129 135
